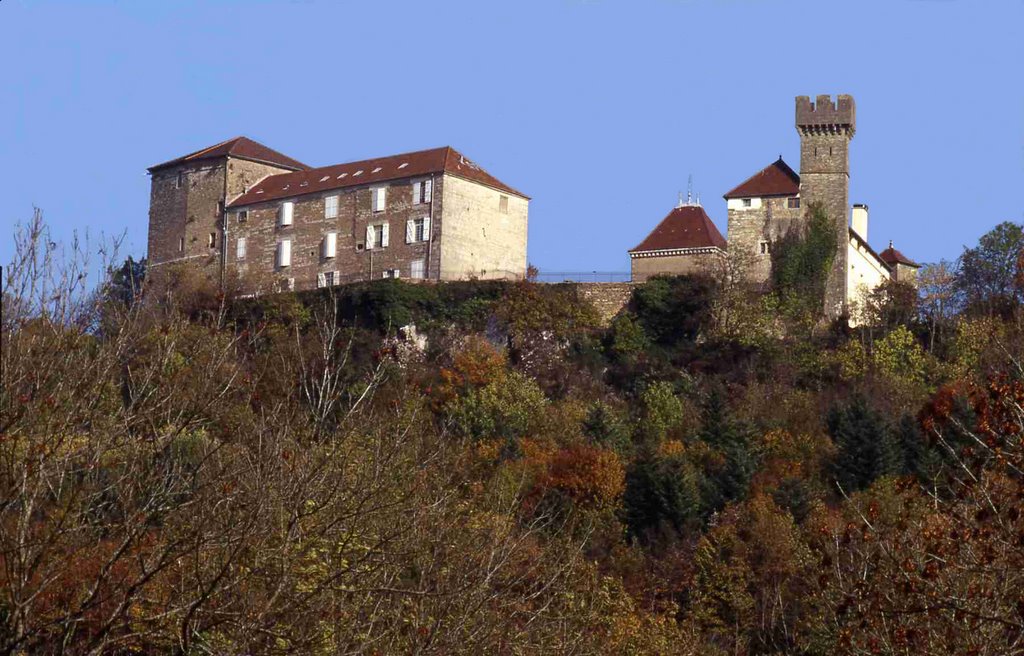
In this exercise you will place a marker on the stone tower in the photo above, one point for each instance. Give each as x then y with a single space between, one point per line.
188 196
826 129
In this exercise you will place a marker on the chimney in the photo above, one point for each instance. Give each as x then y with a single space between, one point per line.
860 220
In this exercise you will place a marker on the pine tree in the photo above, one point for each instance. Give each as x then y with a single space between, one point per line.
732 440
866 447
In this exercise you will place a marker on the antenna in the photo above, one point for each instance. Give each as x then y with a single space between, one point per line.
689 190
680 203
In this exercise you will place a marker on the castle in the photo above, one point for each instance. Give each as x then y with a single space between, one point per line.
773 201
242 209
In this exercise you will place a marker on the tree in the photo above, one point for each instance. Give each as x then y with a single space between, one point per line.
732 440
937 286
124 284
988 274
866 449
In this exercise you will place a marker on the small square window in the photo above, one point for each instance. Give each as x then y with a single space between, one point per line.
764 248
746 202
242 215
793 203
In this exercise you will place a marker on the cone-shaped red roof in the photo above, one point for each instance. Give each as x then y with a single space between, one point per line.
687 226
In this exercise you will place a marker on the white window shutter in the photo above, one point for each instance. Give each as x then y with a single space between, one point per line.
321 280
426 228
285 213
284 253
427 184
370 236
337 277
330 244
416 193
410 231
384 235
240 252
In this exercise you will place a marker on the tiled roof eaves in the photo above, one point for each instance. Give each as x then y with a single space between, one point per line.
870 250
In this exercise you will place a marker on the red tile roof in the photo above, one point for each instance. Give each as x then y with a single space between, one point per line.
892 257
381 169
776 179
241 147
687 226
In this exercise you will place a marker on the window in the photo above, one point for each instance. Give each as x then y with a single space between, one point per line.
181 244
417 230
764 248
421 192
793 202
242 216
240 249
284 253
284 214
417 269
331 207
330 246
180 180
327 279
377 236
211 240
503 204
392 273
746 202
379 198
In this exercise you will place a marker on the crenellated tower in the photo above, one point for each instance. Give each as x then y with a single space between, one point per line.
826 128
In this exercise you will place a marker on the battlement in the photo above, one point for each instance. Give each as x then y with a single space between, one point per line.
823 116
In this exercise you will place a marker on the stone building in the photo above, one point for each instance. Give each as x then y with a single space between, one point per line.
776 199
276 223
686 241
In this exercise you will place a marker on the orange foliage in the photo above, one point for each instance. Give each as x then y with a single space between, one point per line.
590 476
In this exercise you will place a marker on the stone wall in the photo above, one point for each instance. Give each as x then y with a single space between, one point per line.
643 268
478 238
608 298
826 129
353 261
769 221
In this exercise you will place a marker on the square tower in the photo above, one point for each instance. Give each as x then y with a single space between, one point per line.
825 129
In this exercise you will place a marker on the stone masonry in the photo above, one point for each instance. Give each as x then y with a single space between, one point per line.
826 129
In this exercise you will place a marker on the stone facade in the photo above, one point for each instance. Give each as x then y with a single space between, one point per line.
675 263
353 260
186 207
751 231
825 129
484 235
607 298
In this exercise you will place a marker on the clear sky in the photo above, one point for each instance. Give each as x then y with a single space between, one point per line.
599 110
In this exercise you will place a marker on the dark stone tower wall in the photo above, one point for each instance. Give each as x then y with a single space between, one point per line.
826 128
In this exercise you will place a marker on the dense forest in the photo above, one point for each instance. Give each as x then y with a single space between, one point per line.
488 468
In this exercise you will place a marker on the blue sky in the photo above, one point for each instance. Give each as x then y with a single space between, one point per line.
599 110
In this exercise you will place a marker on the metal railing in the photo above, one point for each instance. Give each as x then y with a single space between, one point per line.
583 276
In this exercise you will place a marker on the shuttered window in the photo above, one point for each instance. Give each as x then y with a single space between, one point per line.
417 230
421 191
240 249
379 196
330 247
284 253
284 214
331 207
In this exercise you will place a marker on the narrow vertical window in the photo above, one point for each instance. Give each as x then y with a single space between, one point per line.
180 180
503 204
211 241
284 253
240 249
331 207
421 192
284 214
181 244
379 198
330 247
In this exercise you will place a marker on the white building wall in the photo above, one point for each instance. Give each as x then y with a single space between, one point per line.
478 239
865 273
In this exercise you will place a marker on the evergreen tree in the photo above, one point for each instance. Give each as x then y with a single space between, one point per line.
661 493
732 440
866 447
